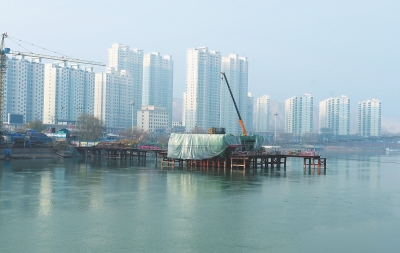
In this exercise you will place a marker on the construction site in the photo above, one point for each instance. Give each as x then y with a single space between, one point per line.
215 149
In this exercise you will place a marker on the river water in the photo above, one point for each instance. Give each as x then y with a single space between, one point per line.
119 206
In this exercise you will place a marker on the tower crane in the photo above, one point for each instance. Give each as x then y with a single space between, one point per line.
234 102
3 65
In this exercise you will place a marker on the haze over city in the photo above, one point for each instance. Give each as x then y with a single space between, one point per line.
327 49
199 126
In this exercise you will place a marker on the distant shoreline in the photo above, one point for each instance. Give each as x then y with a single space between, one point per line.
30 153
342 146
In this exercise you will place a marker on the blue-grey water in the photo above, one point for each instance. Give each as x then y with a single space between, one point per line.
119 206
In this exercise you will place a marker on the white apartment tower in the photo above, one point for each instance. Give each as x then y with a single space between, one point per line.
249 110
68 92
158 82
262 114
299 114
23 89
121 57
334 114
184 110
369 118
112 98
202 97
236 71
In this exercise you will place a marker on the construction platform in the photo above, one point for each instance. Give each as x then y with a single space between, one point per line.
237 159
120 152
248 160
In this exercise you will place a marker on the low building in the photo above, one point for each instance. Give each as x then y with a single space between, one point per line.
178 129
152 119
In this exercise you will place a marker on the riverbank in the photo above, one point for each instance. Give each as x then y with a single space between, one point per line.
344 146
30 153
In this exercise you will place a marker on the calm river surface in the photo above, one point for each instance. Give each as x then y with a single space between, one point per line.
116 206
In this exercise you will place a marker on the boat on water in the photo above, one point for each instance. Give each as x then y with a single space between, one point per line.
64 153
392 150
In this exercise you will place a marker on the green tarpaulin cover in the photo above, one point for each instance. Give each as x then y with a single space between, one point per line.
202 146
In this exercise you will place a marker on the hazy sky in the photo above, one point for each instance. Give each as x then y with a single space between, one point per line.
326 48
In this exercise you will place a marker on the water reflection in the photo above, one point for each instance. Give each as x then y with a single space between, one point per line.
312 170
114 205
45 192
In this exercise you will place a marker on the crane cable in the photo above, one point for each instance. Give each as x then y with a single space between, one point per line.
63 55
19 44
8 36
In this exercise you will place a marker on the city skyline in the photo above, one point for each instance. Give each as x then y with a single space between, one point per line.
75 91
323 48
135 64
78 92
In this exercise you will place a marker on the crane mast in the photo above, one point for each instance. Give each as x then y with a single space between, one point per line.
234 102
3 66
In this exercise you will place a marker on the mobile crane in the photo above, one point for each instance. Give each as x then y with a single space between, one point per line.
234 102
3 65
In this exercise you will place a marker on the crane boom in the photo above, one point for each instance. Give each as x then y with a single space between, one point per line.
57 58
234 102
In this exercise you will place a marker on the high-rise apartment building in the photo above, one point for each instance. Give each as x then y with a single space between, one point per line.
249 110
184 110
113 97
202 96
369 118
68 92
23 89
299 114
334 115
121 57
262 114
236 71
158 82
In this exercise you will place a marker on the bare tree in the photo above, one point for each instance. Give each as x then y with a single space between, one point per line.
136 134
89 128
36 125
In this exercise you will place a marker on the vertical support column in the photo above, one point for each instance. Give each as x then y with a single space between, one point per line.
284 163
